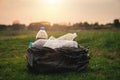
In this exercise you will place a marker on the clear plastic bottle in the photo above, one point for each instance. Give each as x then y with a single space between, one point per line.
42 34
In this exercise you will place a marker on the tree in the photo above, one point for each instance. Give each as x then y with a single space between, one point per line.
17 25
86 24
96 24
16 22
3 27
116 23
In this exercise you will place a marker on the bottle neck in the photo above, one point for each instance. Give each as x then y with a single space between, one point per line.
42 30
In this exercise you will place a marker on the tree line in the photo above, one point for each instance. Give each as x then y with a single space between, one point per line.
55 26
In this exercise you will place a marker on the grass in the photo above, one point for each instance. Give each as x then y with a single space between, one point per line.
104 52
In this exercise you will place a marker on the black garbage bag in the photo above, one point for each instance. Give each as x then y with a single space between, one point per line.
63 59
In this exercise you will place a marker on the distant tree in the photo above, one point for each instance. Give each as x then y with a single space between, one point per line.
16 25
16 22
80 24
37 25
3 27
108 25
86 24
96 24
116 23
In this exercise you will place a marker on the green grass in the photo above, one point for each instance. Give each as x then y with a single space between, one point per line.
104 51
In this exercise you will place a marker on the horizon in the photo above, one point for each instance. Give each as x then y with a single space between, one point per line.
59 11
59 23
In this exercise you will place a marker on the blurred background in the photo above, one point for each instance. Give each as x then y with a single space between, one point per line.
59 14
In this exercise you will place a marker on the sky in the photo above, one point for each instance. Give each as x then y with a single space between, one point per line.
58 11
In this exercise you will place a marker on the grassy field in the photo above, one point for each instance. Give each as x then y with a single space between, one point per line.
104 51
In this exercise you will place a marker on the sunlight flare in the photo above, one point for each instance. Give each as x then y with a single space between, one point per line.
53 2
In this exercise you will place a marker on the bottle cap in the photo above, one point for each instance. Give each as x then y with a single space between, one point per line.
30 44
42 28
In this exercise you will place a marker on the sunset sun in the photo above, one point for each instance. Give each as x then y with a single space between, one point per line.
53 2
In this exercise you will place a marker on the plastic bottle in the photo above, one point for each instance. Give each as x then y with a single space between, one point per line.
42 34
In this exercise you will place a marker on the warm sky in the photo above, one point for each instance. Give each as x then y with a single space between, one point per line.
27 11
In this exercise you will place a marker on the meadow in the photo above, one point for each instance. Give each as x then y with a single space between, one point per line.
104 50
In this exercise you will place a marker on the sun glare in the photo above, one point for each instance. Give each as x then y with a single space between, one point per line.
53 2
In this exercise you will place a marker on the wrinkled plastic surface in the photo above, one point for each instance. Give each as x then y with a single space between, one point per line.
68 36
39 43
60 43
63 41
59 59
